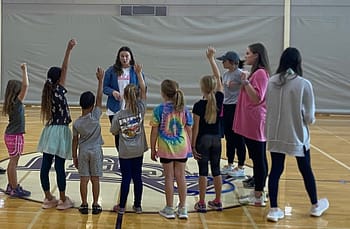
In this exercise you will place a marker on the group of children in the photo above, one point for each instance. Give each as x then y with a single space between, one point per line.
175 133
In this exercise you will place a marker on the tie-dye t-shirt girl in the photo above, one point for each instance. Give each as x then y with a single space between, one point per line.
173 140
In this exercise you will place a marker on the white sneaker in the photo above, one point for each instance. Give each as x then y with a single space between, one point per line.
64 205
226 169
252 200
236 172
49 203
275 214
322 206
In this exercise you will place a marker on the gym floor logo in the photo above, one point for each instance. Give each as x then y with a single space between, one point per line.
152 175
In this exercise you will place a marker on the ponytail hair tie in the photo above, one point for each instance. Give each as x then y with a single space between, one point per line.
290 71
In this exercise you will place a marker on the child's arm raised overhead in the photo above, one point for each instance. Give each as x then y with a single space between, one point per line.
25 82
210 55
138 70
99 74
65 63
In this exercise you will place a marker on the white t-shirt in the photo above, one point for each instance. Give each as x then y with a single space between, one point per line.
123 81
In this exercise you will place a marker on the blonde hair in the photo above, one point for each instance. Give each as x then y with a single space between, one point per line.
130 96
170 89
13 89
208 85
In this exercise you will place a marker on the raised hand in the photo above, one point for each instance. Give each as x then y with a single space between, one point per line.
24 67
100 73
72 43
138 68
210 52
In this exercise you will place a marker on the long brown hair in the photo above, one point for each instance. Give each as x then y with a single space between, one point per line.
208 85
130 96
262 60
170 89
46 101
118 64
13 89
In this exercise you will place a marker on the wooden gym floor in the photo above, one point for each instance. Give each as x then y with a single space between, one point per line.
330 139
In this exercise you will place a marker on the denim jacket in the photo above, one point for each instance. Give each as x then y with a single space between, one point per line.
110 84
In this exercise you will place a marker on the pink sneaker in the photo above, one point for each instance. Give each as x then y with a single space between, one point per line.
49 203
64 205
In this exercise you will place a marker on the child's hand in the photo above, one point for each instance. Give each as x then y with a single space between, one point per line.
210 52
196 155
24 66
154 155
72 43
99 73
75 161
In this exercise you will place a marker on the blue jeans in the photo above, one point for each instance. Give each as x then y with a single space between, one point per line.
131 169
60 172
277 167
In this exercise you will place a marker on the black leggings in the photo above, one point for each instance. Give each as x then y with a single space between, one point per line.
233 141
277 167
257 152
209 147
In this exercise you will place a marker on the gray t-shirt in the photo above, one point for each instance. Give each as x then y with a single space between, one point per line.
130 127
231 94
16 119
89 129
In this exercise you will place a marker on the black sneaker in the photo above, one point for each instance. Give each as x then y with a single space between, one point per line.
2 170
96 209
249 183
84 209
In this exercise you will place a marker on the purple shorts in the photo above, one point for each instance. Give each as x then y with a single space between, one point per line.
14 144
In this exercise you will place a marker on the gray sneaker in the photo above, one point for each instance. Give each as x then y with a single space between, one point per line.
182 213
167 212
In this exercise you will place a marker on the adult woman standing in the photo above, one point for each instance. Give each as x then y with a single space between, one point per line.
117 76
231 84
250 117
290 109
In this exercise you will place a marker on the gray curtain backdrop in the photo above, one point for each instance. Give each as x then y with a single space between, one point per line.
173 46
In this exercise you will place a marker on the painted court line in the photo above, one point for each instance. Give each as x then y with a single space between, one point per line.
330 157
331 133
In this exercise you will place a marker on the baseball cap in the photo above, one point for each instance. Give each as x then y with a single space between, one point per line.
230 55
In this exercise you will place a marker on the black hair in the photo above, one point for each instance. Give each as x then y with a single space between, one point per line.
87 100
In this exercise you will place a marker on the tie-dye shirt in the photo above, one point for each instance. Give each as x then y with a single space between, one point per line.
173 140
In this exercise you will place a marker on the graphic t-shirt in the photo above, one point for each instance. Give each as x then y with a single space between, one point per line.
173 140
130 127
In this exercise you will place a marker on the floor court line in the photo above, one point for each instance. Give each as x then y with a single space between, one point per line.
331 133
330 157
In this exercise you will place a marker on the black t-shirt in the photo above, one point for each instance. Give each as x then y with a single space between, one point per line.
199 109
